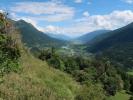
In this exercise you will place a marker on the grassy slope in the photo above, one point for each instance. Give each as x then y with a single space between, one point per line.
37 80
120 96
130 72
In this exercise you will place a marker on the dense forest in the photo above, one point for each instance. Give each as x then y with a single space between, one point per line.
97 70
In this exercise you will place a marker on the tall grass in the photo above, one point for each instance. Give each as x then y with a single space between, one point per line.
37 81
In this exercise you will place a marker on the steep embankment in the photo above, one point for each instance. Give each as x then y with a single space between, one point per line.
37 80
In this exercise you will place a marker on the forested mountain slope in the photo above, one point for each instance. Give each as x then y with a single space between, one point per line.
117 45
90 36
34 38
116 37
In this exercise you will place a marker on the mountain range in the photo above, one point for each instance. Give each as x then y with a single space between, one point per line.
116 45
35 38
90 36
117 37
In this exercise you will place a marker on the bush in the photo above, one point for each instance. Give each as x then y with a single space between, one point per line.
91 92
9 51
131 98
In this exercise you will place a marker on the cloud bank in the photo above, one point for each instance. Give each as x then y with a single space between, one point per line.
129 1
58 12
114 20
47 11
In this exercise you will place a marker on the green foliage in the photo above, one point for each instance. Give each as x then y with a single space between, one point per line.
97 70
37 82
113 38
117 45
97 77
121 95
70 64
45 55
110 86
125 77
52 59
91 92
56 63
9 51
88 74
118 54
131 84
131 98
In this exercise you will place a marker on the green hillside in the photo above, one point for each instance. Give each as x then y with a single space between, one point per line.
23 77
116 37
90 36
35 38
36 81
116 45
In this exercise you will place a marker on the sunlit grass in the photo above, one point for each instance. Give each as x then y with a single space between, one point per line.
130 72
37 80
120 96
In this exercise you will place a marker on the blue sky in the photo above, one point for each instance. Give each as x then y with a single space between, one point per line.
71 17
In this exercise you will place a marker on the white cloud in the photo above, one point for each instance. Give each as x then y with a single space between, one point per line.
111 21
53 29
78 1
49 11
56 12
54 18
86 14
129 1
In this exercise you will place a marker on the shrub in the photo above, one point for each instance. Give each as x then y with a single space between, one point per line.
9 51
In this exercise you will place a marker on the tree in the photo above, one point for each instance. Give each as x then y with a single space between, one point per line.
56 63
131 84
45 55
110 86
70 65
